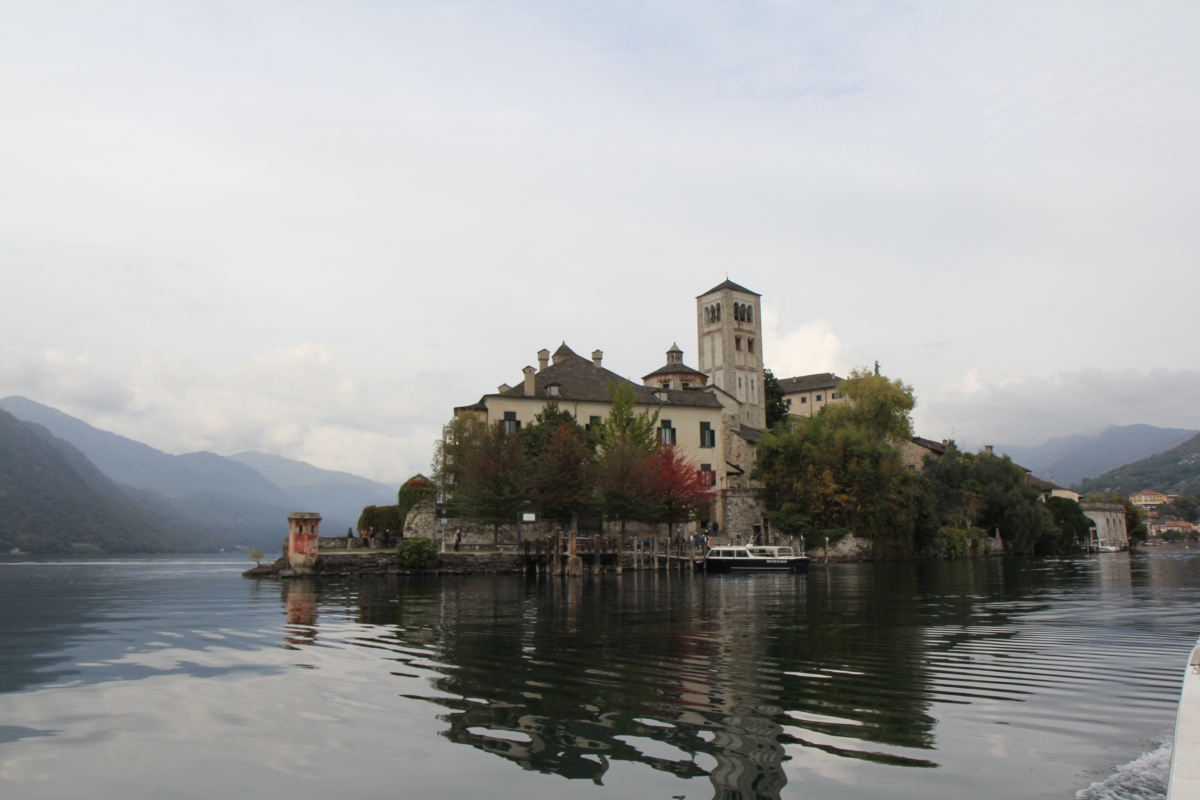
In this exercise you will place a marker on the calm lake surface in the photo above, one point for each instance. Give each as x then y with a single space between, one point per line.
1003 678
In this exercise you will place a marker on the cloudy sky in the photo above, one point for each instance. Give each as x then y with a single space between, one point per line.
314 228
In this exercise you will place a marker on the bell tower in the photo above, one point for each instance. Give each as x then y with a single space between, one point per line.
729 327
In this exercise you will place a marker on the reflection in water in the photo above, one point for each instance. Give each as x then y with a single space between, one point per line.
1002 678
565 677
725 676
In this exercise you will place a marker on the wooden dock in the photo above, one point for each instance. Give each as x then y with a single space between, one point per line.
566 554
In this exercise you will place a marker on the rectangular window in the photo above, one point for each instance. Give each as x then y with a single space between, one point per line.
708 437
750 345
707 475
835 396
818 398
666 434
737 343
788 402
592 421
511 423
804 399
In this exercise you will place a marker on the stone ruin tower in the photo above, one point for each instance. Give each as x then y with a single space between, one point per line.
729 332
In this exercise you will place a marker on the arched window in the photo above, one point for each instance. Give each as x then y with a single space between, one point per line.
737 343
749 313
707 315
750 345
737 312
718 312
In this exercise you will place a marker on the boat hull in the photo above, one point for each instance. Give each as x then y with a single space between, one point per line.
727 565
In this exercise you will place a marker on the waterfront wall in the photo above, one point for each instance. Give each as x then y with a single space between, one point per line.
423 522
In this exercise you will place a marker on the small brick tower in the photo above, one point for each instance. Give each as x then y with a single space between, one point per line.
303 533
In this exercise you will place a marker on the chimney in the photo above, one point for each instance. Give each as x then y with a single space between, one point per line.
530 383
597 357
543 359
988 449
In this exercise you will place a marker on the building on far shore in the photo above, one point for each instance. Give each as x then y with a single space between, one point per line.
1149 501
1167 524
1108 524
1052 489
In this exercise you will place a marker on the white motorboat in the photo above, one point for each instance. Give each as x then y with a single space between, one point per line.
753 558
1184 783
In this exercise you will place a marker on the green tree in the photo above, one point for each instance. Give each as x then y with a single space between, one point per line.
1073 525
491 481
563 474
1189 507
842 469
459 438
416 492
997 495
777 410
624 472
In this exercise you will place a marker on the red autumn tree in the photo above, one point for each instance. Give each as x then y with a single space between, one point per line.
681 491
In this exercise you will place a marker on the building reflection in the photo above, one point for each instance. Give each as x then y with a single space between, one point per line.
685 674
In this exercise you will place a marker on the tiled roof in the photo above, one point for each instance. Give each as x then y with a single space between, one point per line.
929 444
728 284
748 433
674 369
578 379
806 383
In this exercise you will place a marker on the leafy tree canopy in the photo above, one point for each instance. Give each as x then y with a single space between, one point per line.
776 407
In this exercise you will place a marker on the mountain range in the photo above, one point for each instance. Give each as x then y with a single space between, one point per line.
213 500
1177 471
54 500
1067 460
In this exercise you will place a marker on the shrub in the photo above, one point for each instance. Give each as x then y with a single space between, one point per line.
959 542
417 553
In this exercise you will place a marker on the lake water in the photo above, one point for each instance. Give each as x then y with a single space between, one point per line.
1004 678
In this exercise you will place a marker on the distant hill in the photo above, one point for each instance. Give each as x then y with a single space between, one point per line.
54 501
1070 459
237 500
143 467
339 496
1177 471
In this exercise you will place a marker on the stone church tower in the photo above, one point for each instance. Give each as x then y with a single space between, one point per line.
729 325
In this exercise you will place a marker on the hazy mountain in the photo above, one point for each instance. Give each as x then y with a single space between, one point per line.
1070 459
338 496
1177 471
53 500
143 467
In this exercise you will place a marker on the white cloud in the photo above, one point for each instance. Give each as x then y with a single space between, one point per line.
299 403
812 347
432 192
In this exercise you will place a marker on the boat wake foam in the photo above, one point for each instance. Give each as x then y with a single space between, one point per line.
1144 778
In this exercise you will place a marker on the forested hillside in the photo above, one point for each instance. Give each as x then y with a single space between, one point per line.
1177 471
1070 459
53 500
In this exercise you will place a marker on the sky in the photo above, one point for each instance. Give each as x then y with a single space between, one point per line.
314 228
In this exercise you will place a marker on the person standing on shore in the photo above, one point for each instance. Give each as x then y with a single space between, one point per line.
457 540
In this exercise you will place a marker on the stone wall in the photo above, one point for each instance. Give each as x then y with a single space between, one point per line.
341 543
423 522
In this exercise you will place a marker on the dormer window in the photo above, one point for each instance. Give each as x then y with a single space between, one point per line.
552 390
